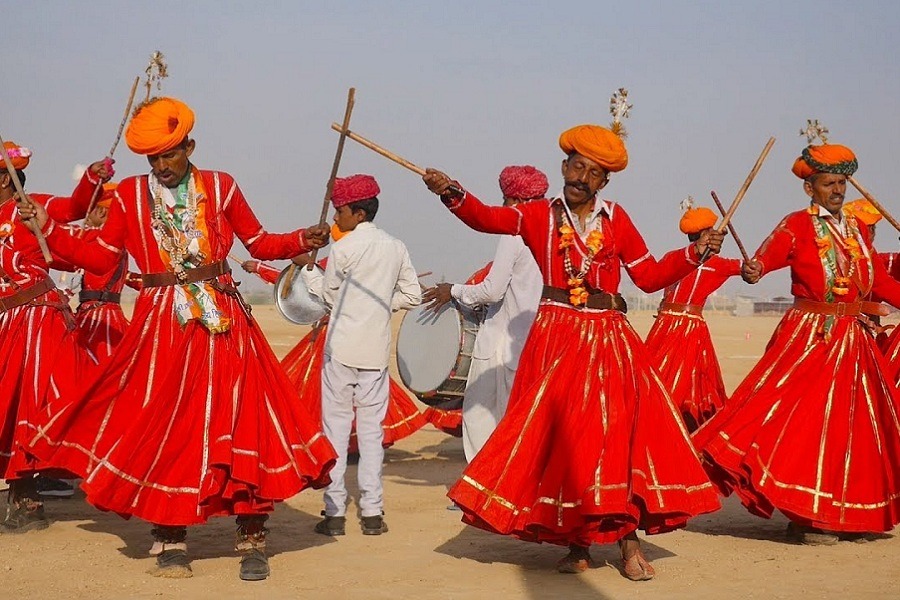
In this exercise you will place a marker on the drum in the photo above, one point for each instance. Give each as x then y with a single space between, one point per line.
299 306
434 353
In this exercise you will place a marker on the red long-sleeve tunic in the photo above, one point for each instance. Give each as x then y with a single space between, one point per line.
591 446
37 352
181 424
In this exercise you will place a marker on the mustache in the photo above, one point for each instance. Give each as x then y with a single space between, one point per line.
578 186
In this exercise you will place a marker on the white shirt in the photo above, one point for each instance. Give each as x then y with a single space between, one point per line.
836 221
512 289
594 219
368 276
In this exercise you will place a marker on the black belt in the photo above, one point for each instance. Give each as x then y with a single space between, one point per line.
98 296
595 300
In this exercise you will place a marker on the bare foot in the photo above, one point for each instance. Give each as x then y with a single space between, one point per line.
636 567
576 561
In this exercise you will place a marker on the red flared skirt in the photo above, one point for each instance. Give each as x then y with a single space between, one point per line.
889 344
100 326
591 446
813 430
686 362
180 425
38 362
303 365
448 421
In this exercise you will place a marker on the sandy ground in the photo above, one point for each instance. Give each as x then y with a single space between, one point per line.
429 554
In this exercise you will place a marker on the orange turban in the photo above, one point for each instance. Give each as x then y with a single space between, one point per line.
109 192
863 210
596 143
695 220
827 158
159 125
19 156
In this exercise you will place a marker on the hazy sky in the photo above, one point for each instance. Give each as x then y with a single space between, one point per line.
468 87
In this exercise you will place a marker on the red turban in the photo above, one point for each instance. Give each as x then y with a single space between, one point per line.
19 156
863 210
353 189
158 126
596 143
523 183
827 158
109 192
695 220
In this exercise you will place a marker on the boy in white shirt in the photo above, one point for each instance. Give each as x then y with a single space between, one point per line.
368 277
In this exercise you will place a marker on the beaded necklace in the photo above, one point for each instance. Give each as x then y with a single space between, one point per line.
176 229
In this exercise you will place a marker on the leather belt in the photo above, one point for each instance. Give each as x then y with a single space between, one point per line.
677 307
26 295
840 309
194 275
596 300
98 296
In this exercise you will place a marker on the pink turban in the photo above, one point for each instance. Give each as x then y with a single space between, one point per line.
523 183
353 189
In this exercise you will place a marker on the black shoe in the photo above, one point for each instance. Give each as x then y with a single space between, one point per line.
173 564
374 525
810 536
331 525
254 565
54 488
25 516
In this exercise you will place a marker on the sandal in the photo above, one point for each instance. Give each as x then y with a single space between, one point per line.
576 561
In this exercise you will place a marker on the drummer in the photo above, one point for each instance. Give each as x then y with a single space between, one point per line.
369 275
511 291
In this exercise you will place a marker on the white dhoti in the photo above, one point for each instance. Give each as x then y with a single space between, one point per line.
484 404
343 389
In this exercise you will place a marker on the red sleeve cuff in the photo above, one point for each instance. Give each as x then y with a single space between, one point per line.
454 202
49 227
92 177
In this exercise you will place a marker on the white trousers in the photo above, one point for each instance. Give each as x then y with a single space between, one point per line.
484 404
343 389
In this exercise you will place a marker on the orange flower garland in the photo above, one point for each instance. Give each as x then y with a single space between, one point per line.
578 293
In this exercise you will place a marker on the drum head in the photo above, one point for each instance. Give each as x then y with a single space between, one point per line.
299 306
427 347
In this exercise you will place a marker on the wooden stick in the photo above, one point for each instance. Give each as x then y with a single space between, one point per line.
112 150
731 228
740 195
868 196
388 154
425 274
31 224
375 147
329 188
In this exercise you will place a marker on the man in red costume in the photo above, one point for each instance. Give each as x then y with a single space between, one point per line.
679 339
99 320
510 294
190 417
37 351
591 447
813 430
